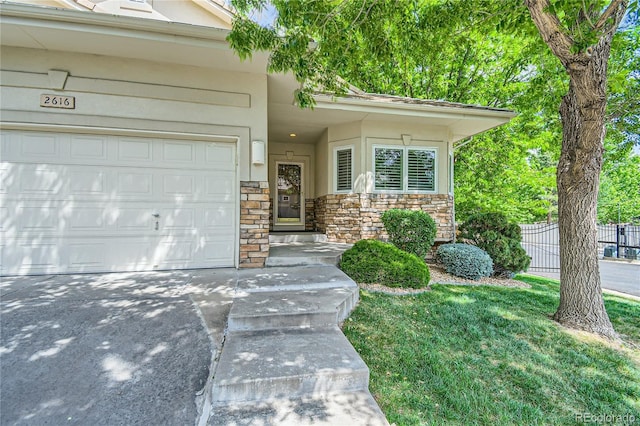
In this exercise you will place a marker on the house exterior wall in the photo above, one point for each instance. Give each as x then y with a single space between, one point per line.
116 93
347 218
141 98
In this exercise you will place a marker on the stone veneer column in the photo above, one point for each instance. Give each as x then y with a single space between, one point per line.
254 224
310 214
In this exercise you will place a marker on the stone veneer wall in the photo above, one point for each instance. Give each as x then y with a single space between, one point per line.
254 224
347 218
310 214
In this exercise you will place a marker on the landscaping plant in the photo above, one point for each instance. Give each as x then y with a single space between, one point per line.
376 262
413 231
500 238
465 260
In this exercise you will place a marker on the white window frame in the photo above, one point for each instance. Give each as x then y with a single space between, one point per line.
335 168
405 169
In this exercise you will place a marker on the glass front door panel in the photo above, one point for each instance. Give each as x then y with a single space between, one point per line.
289 194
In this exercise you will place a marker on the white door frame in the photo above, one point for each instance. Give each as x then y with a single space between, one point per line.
298 225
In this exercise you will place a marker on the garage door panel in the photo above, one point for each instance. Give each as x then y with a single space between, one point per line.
85 147
219 217
178 184
85 219
220 156
179 152
31 257
43 146
37 179
221 186
87 256
40 218
138 150
86 203
134 184
133 219
216 250
87 182
178 219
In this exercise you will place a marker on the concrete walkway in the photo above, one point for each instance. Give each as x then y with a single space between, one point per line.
217 347
284 360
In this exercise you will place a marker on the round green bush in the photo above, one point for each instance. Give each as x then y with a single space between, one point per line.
375 262
413 231
500 238
465 260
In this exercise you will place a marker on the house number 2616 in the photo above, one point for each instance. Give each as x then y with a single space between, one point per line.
56 101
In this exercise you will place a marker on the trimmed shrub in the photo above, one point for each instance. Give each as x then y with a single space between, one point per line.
375 262
500 238
413 231
465 260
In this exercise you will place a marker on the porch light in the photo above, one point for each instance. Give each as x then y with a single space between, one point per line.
257 152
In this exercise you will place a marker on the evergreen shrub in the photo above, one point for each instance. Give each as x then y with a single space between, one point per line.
500 238
413 231
465 260
376 262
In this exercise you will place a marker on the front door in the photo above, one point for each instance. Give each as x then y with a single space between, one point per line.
289 203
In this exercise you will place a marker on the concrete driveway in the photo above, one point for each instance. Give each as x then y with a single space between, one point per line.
110 348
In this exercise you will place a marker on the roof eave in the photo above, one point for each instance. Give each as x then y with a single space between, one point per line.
15 10
410 109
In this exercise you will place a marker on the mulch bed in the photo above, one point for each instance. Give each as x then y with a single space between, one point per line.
439 276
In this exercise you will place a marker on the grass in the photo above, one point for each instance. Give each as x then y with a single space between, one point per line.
492 355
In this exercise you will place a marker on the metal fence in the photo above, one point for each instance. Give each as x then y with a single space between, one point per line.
619 241
541 242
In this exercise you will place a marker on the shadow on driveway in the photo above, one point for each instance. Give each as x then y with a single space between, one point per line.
101 349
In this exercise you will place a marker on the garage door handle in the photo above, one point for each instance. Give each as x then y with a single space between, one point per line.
156 215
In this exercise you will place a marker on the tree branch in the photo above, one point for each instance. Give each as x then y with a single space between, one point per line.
551 30
616 11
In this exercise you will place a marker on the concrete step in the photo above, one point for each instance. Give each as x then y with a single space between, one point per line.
349 408
267 310
301 253
297 237
262 365
292 278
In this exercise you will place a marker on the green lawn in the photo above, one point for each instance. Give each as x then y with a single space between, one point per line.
492 355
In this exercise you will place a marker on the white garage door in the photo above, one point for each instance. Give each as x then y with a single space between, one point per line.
93 203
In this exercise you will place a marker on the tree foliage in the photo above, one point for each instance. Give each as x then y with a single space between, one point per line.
459 51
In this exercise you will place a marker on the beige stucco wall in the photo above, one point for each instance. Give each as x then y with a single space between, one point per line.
116 93
362 136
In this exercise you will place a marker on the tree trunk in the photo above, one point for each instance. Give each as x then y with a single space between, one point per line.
582 111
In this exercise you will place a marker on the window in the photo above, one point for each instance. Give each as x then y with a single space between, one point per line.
405 169
421 170
344 169
388 168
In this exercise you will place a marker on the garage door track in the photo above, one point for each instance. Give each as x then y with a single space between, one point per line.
102 349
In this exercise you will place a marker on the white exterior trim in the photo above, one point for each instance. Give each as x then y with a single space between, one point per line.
335 168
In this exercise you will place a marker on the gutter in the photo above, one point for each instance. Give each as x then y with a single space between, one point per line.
374 105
